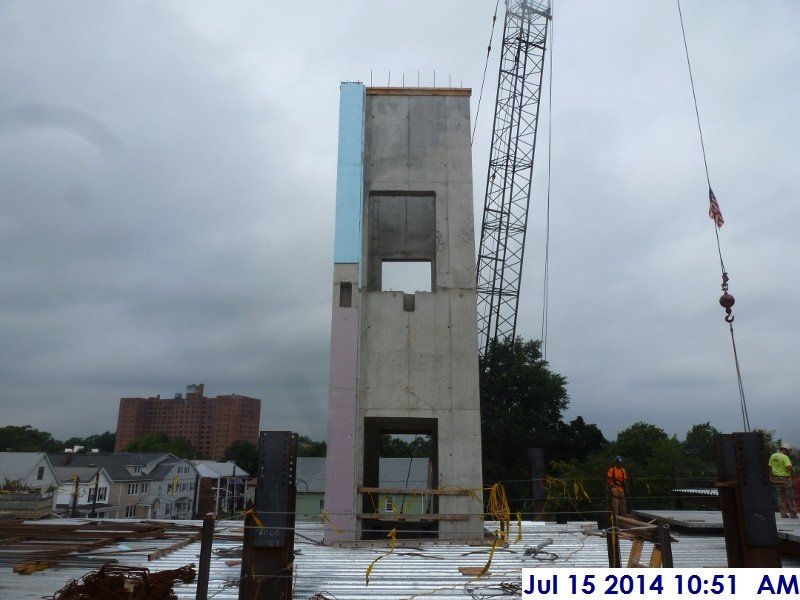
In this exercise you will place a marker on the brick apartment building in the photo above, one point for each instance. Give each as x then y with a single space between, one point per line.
210 424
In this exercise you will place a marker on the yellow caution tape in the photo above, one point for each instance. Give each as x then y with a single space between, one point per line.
474 494
326 518
497 537
374 505
252 513
392 535
498 508
582 490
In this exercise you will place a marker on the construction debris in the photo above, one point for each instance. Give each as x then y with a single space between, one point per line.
113 582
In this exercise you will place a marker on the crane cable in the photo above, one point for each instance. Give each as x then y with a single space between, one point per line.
546 282
726 300
485 67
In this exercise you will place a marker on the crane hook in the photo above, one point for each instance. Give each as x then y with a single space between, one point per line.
727 300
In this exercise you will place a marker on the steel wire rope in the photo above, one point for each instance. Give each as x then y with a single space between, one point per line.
408 476
742 399
485 67
546 282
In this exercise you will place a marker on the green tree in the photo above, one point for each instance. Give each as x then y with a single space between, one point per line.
698 446
522 402
576 440
161 442
396 447
650 456
771 439
25 438
102 441
245 454
308 447
637 443
76 441
574 477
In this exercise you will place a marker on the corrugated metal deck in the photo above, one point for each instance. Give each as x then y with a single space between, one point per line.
427 568
432 569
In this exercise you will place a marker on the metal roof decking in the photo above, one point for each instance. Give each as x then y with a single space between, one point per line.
413 568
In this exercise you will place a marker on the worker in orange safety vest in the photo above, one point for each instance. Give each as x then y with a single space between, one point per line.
617 478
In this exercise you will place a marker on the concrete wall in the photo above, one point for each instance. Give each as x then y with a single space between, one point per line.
424 363
340 500
412 359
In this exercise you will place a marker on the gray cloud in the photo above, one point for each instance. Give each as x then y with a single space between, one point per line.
74 121
167 180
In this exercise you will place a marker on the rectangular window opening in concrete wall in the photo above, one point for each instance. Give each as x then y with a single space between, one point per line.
401 230
406 276
345 294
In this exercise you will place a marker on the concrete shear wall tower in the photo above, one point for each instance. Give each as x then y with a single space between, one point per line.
403 362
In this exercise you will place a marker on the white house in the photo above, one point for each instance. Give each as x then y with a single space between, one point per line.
28 480
143 485
87 489
30 470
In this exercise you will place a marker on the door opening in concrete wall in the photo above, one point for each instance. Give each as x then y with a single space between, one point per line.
400 454
405 464
406 276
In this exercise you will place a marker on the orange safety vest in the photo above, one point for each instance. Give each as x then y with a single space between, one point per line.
617 476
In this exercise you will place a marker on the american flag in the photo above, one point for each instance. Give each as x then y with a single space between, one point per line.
713 211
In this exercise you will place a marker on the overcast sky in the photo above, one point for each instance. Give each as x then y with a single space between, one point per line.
167 181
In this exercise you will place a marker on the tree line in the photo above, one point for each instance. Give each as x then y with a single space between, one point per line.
24 438
522 407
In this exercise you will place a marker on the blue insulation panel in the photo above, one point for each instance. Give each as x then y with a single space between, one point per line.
350 174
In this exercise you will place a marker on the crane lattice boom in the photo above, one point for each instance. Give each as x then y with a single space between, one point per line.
508 186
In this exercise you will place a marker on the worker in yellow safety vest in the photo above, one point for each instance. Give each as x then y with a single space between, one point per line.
617 478
780 466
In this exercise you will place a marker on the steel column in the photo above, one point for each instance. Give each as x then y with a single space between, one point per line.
268 554
751 536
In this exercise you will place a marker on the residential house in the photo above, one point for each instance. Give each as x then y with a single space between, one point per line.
310 484
175 496
404 473
223 487
27 481
84 492
31 470
149 485
394 473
